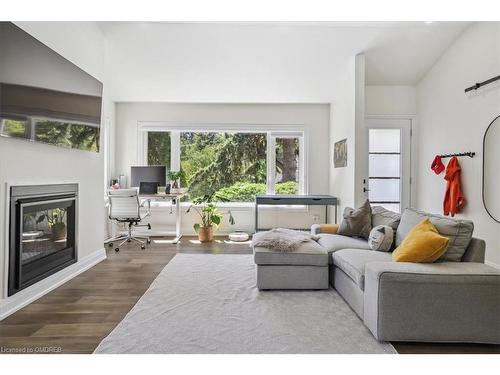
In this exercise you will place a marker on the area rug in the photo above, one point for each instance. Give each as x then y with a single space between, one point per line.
204 303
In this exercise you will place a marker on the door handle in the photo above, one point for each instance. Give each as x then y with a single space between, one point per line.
365 190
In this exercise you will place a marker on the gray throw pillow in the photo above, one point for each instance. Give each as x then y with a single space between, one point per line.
381 238
383 216
357 223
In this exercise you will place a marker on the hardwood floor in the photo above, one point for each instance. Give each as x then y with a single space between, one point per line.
75 317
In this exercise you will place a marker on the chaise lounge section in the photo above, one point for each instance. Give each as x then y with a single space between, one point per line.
304 268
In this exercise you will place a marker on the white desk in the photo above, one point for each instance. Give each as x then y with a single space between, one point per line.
172 197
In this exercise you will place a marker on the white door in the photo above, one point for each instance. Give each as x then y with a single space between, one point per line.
389 163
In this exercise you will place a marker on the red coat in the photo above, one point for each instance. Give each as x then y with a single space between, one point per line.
454 199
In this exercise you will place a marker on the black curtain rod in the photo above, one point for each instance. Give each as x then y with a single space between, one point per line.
469 154
480 84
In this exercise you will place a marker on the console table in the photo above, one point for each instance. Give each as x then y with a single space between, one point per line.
295 200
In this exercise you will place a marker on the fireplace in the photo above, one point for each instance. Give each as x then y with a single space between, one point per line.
42 238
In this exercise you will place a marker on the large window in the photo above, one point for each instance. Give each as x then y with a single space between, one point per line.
232 165
235 165
159 148
287 165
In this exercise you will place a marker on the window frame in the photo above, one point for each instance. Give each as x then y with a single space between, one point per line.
105 148
272 131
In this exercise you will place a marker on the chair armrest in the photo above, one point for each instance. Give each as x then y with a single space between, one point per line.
324 228
437 302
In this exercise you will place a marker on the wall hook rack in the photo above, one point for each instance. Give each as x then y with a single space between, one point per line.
469 154
481 84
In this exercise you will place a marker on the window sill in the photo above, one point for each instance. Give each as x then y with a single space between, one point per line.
235 206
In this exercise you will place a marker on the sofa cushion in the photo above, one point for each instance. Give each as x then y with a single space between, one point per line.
382 216
306 254
353 262
334 242
458 231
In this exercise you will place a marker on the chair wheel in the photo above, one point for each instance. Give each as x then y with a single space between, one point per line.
110 244
148 241
143 247
129 240
117 249
149 226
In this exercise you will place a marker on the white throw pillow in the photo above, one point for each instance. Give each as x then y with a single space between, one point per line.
381 238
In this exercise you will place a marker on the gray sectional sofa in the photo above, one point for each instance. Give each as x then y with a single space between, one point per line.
456 299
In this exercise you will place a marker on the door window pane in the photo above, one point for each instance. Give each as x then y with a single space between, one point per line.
231 165
159 148
287 166
384 165
385 140
394 207
384 190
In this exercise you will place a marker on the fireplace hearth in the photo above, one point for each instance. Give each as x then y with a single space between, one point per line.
42 237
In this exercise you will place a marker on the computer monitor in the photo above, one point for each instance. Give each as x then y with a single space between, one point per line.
156 173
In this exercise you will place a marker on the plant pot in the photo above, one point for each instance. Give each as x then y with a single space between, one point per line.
206 234
59 231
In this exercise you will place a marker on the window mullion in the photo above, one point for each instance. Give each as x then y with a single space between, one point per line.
271 163
175 150
303 189
143 151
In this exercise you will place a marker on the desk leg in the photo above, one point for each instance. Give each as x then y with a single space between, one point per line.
177 221
336 205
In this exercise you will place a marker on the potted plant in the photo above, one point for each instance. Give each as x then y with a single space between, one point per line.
175 178
206 208
56 219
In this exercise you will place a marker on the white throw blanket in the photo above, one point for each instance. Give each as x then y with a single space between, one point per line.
281 239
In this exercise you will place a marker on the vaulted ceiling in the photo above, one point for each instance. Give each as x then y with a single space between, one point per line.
302 56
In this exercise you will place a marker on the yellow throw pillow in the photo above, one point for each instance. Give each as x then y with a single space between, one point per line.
423 244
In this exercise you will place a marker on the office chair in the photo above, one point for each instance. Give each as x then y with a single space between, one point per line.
124 207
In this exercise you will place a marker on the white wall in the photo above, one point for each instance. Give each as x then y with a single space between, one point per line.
452 121
230 63
361 151
23 162
390 100
342 126
314 117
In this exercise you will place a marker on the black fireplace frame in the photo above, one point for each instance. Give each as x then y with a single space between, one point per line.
22 196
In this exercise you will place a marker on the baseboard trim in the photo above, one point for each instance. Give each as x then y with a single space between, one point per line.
494 265
10 305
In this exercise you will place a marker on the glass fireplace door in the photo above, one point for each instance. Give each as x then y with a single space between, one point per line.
44 229
44 234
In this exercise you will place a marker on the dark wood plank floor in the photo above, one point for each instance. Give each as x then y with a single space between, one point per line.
75 317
